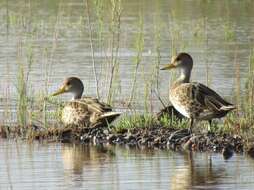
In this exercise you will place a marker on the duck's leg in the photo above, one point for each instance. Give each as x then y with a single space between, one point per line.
210 125
191 125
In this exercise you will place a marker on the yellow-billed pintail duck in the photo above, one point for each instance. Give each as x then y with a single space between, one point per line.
194 100
86 111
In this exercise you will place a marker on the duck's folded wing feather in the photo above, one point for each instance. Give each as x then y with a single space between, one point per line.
207 97
93 105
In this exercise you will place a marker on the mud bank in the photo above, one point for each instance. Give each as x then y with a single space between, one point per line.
154 137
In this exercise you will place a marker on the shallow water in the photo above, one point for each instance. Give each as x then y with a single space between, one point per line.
65 166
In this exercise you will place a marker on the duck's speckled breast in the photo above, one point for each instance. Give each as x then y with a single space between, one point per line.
183 100
75 114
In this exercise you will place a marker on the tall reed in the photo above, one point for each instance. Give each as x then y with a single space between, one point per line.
115 30
139 46
22 84
92 47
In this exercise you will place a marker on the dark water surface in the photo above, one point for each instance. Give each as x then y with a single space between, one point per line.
64 166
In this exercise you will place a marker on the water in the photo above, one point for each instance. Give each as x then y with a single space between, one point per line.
64 166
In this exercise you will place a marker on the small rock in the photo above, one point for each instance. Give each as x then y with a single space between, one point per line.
227 151
129 137
132 143
85 138
4 131
143 141
97 140
157 140
179 134
119 139
66 136
250 151
105 131
111 138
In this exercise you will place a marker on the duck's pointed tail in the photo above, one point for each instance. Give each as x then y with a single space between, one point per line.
105 119
110 116
227 108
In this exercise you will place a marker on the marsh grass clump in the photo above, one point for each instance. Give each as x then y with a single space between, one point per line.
173 122
241 121
135 121
247 104
46 111
22 85
22 104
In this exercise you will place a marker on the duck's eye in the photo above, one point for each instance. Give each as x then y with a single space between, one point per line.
177 59
68 83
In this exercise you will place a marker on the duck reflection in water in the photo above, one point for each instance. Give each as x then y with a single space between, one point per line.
77 158
196 173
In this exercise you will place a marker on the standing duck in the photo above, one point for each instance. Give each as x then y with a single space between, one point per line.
194 100
86 111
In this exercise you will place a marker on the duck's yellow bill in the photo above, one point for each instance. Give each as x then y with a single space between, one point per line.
168 66
60 91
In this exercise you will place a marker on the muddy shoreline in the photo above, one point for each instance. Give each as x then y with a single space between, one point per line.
154 137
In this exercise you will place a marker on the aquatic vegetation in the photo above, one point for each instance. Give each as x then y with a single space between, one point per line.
139 47
91 46
229 32
146 121
248 96
115 24
22 86
133 121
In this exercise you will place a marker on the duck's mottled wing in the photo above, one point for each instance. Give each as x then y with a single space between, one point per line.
207 97
94 105
84 111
